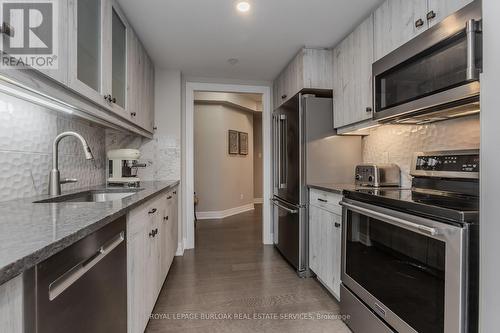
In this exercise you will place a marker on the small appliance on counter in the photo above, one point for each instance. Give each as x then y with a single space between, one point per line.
122 167
378 175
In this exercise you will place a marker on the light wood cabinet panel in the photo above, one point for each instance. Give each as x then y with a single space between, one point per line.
150 251
324 247
61 73
116 58
352 76
444 8
395 24
140 84
337 250
88 42
11 306
137 253
309 69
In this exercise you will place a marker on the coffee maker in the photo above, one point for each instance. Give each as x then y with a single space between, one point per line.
122 167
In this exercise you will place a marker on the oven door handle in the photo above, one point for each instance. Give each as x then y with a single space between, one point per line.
392 220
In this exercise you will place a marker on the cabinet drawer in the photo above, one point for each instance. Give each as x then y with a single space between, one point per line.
144 214
326 200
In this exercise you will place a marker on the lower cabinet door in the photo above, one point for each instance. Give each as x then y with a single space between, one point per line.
324 247
137 253
337 257
314 237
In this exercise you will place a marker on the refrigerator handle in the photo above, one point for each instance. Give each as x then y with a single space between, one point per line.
276 152
282 152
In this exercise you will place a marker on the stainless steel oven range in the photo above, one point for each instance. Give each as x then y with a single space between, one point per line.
410 257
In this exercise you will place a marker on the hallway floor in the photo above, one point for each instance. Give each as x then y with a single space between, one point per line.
233 283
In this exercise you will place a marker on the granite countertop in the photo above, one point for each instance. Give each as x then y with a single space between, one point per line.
334 188
32 232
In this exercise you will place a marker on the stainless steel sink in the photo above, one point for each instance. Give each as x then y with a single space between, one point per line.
93 196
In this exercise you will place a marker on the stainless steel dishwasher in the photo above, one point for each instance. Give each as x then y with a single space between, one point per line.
83 288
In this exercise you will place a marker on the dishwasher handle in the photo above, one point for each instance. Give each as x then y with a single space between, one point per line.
67 279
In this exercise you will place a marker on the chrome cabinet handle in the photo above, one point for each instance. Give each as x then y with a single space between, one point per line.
165 218
368 109
322 200
152 211
283 96
276 203
419 23
337 225
392 220
169 197
65 281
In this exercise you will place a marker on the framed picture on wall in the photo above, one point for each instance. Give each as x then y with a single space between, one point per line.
233 142
243 143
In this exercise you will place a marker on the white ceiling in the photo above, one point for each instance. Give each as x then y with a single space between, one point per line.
199 36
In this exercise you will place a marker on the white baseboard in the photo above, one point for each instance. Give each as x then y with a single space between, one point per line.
180 249
258 201
224 213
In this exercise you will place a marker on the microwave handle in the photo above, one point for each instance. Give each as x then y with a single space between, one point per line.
471 29
392 220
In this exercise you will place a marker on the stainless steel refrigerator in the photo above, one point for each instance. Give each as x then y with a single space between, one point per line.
305 150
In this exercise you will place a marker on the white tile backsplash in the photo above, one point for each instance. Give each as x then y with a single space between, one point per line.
27 132
397 143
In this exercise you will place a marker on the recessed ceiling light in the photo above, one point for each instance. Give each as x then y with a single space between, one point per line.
243 6
233 61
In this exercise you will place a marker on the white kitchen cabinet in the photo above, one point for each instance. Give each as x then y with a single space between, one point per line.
309 69
61 73
352 76
325 236
149 256
11 305
439 9
97 52
140 84
88 42
116 58
396 22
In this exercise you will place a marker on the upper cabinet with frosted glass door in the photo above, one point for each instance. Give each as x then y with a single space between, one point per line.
98 52
86 44
116 59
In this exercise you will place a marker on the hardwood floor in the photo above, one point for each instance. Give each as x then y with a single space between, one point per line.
247 286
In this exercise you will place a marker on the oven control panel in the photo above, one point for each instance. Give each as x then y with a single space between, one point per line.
447 164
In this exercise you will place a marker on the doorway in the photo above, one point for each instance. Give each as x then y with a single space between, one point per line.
188 168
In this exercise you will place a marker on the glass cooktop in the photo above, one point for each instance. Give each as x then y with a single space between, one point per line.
429 203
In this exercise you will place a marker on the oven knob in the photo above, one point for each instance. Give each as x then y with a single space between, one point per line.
370 178
358 177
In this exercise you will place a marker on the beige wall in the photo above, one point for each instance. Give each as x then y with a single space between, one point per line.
257 158
221 181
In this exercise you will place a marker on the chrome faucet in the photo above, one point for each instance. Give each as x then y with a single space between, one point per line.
55 180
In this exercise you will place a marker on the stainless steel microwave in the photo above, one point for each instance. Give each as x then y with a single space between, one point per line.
435 76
